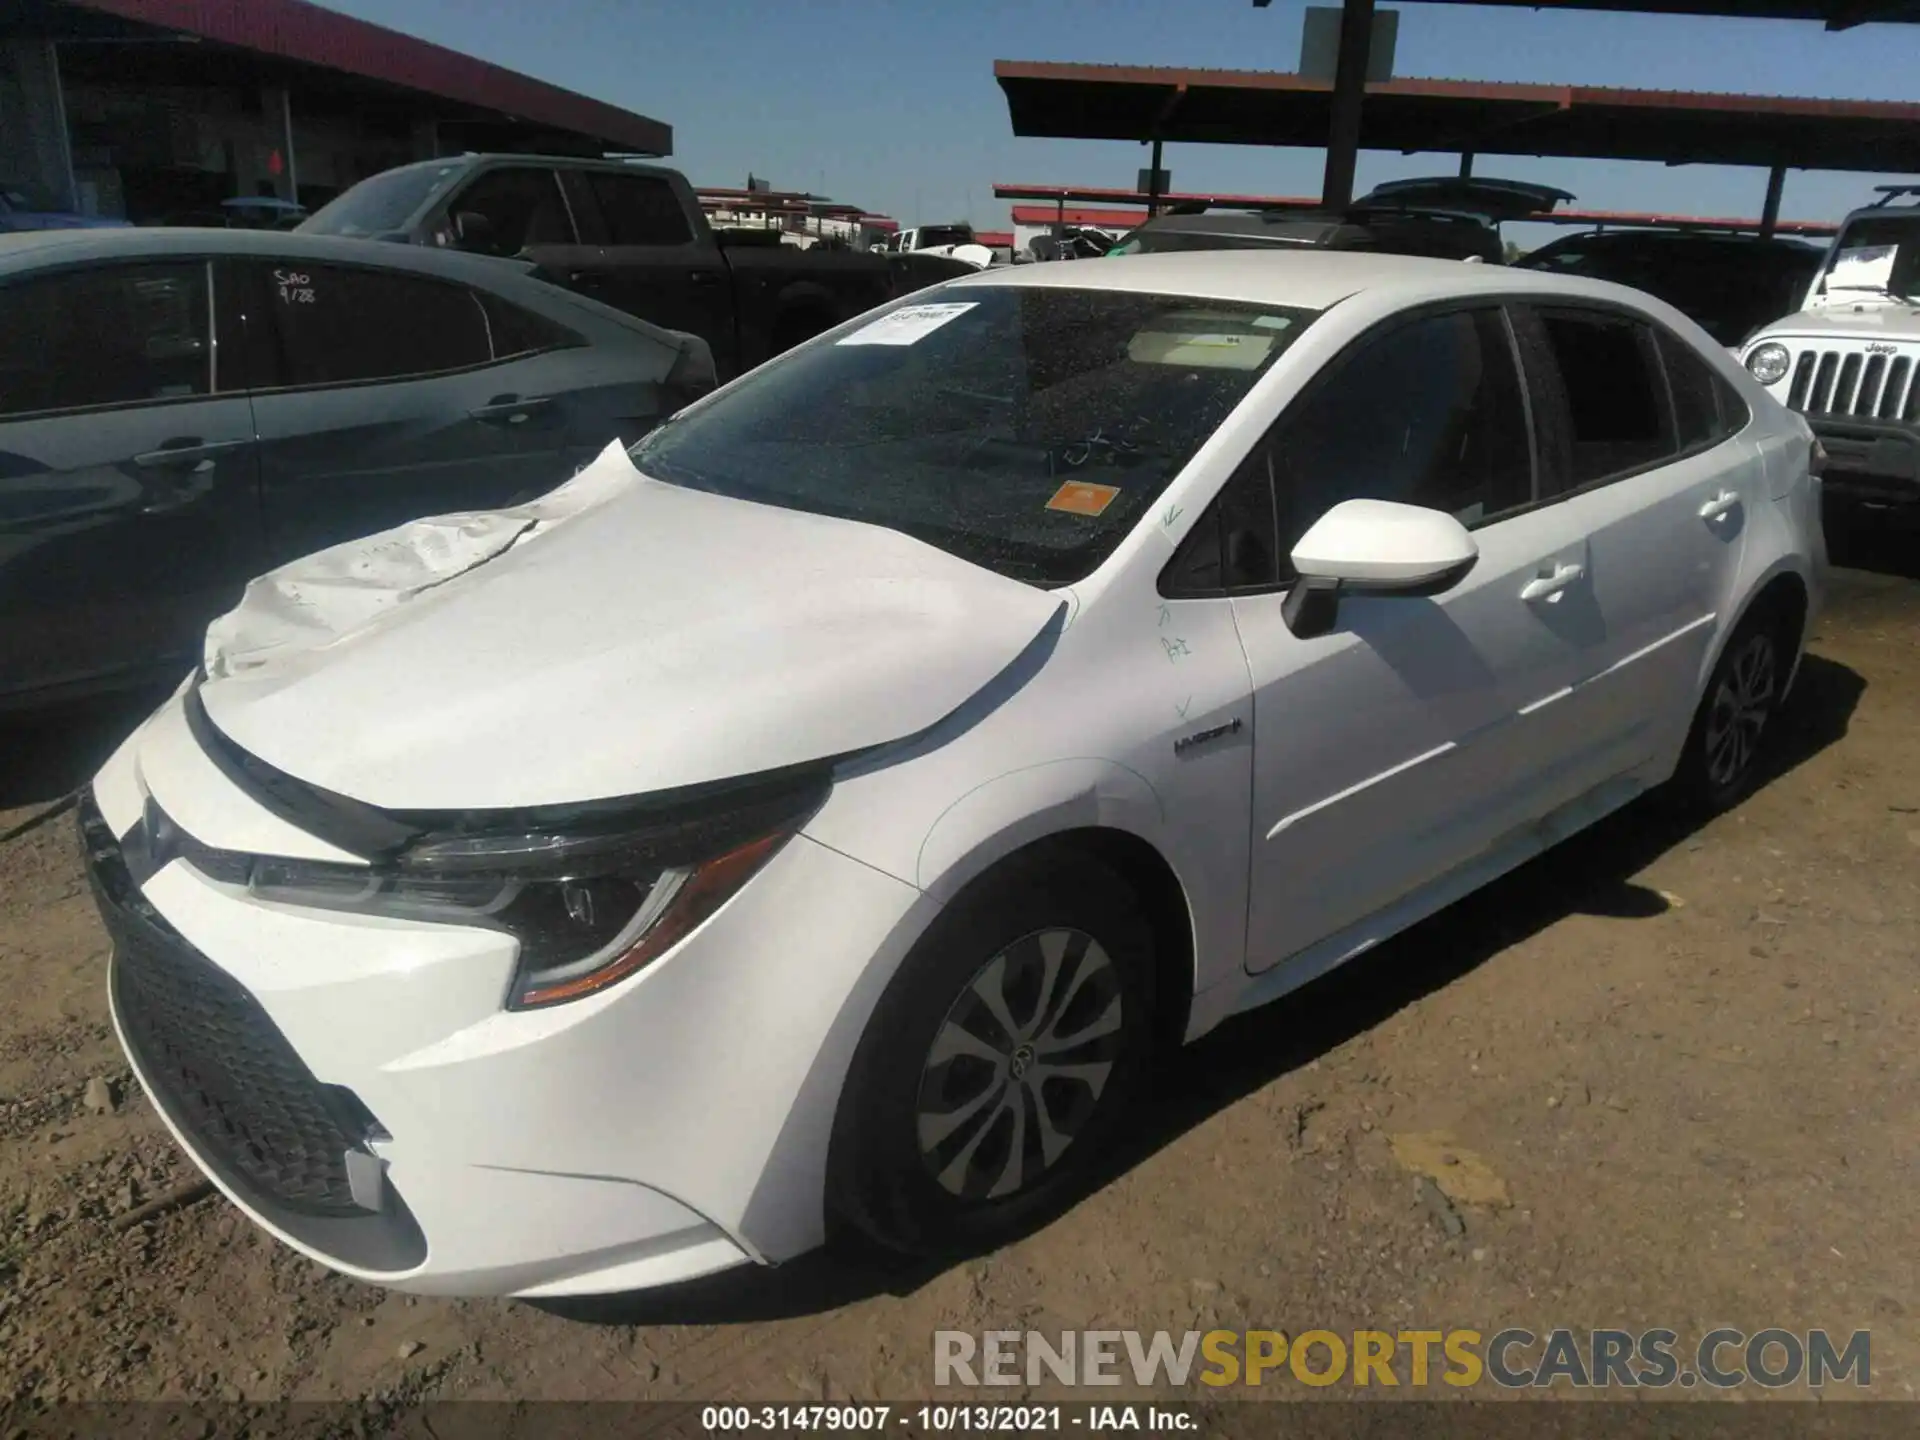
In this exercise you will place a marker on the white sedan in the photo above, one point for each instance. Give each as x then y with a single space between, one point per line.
821 811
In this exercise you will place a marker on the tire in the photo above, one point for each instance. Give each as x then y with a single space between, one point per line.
1722 763
954 1136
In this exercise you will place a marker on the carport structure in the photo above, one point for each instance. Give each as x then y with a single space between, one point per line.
1153 106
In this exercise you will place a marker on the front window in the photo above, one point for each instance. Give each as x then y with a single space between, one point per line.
1876 255
1022 428
383 204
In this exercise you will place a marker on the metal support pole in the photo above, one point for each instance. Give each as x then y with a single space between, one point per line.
1770 211
1349 89
1153 183
1466 164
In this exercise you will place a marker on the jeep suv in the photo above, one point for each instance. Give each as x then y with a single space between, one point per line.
1849 360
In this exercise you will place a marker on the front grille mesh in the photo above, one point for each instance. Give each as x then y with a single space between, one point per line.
1872 387
217 1061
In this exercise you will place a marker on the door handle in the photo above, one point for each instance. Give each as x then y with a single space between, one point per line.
511 408
1719 505
703 277
1550 586
190 454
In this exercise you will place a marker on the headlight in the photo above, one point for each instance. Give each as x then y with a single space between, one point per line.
1769 363
589 904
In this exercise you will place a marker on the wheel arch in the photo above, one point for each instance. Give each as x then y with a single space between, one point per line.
1784 587
1096 808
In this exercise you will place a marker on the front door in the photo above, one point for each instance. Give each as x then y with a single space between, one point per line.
382 400
128 509
1420 731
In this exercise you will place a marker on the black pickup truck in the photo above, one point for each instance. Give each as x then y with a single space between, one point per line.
631 236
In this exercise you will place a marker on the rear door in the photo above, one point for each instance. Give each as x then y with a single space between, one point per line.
128 502
647 260
1642 450
382 396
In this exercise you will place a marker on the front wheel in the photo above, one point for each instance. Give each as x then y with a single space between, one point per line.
1721 765
998 1061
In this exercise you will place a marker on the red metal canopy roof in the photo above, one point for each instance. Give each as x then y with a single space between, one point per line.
1255 107
298 31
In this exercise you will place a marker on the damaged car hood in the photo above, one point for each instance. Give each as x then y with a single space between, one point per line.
617 637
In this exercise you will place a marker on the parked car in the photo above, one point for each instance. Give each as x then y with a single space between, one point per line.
1846 357
19 213
826 808
1447 217
633 236
1728 284
1392 232
183 409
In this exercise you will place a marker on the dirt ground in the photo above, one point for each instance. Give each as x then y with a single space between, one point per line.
1689 1059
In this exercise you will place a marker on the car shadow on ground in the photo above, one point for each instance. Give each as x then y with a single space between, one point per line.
1590 873
1878 541
50 754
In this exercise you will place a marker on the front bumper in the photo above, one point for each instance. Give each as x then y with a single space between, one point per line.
1877 461
353 1084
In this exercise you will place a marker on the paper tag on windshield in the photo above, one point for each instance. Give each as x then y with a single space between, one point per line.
1078 497
1867 267
908 324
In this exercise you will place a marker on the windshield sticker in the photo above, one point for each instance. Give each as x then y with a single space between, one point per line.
1273 322
1077 497
1205 350
1864 267
908 325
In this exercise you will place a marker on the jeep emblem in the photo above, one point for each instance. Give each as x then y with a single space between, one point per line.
1880 347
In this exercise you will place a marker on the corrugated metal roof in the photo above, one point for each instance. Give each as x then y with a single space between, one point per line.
298 31
1256 107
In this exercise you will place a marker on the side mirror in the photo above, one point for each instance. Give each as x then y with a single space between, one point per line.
474 231
1374 547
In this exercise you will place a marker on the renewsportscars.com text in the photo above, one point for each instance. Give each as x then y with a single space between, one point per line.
1511 1358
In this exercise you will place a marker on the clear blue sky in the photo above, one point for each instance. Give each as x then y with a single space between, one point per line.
893 105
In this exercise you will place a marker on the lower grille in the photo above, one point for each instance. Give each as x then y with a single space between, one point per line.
217 1062
1873 387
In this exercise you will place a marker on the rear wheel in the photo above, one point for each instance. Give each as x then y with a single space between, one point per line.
1723 759
998 1061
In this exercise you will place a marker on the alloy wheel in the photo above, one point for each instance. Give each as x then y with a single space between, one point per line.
1739 710
1019 1063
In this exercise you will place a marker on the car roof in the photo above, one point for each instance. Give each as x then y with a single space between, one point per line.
1678 239
36 249
1306 279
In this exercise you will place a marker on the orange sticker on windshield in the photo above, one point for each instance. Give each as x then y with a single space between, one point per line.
1077 497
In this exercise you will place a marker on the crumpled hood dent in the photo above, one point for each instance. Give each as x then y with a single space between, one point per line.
618 637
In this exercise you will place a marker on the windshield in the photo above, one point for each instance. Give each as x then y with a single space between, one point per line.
381 204
1022 428
1879 254
930 236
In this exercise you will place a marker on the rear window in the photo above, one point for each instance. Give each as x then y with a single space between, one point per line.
1023 428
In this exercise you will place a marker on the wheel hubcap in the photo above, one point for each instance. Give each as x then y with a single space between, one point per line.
1018 1065
1738 712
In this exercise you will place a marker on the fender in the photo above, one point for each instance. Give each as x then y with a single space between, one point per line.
996 818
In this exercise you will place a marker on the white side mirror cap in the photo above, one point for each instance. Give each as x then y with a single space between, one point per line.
1382 545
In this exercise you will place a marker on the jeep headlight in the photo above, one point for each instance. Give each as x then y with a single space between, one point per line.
1769 363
